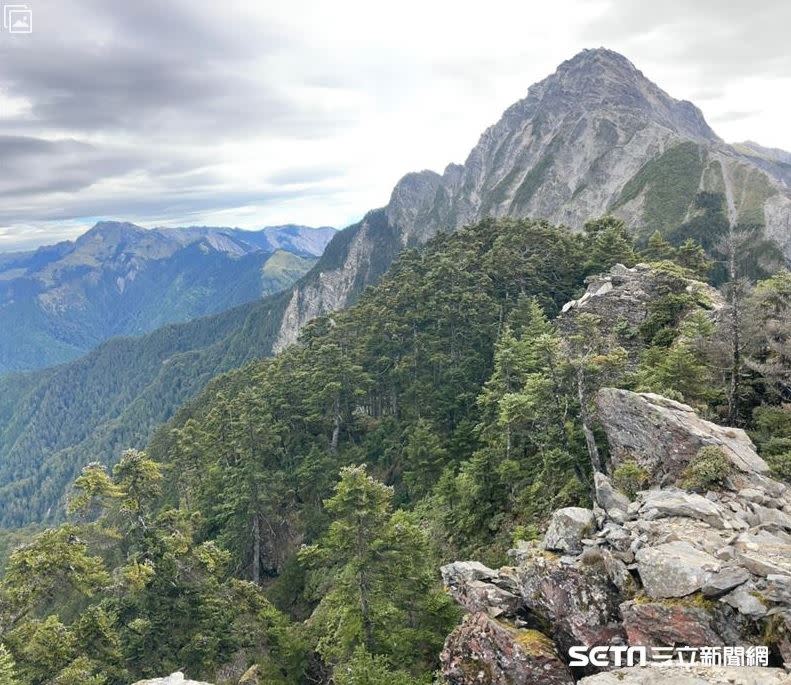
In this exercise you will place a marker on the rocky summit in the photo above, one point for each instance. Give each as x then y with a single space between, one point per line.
670 566
595 137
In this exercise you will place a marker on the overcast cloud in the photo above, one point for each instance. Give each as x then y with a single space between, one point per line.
255 113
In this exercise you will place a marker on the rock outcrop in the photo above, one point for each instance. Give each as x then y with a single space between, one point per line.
623 299
484 650
663 435
173 679
671 568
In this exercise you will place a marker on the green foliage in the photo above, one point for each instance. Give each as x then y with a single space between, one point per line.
608 242
630 478
368 669
7 668
682 371
373 571
669 183
772 434
709 468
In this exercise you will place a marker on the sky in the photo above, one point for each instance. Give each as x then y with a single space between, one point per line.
192 112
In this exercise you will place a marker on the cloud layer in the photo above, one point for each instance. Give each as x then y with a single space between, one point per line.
242 113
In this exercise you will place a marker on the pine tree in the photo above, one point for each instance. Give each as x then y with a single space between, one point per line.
377 584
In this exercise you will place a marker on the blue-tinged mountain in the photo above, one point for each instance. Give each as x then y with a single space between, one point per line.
60 301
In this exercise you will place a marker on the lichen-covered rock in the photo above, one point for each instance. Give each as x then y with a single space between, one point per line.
484 651
674 569
658 624
173 679
694 674
577 601
663 436
568 527
479 588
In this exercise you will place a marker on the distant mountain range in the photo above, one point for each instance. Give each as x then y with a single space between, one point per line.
595 137
60 301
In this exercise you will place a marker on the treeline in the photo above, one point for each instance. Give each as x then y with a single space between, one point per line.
293 517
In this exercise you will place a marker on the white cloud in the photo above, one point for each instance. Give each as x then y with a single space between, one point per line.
250 114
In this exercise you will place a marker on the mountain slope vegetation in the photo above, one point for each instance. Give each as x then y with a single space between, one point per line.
291 518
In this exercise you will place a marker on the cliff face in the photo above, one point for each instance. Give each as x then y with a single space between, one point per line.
594 137
674 565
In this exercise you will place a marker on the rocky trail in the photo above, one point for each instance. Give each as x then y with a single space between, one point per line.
670 568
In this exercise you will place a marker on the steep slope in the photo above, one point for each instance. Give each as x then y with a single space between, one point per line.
594 137
119 279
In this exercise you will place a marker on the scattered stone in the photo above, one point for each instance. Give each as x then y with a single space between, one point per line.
724 580
676 502
567 528
614 502
753 495
763 553
778 589
484 651
479 588
745 601
771 517
674 569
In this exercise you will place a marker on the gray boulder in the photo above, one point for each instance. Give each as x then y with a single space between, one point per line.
614 502
568 527
674 569
724 580
676 502
745 601
663 435
479 588
763 553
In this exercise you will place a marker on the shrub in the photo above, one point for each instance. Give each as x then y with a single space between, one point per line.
780 465
710 468
629 478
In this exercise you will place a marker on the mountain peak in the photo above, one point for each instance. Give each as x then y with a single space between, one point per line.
112 231
604 80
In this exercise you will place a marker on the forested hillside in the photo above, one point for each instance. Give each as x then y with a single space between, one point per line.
292 518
